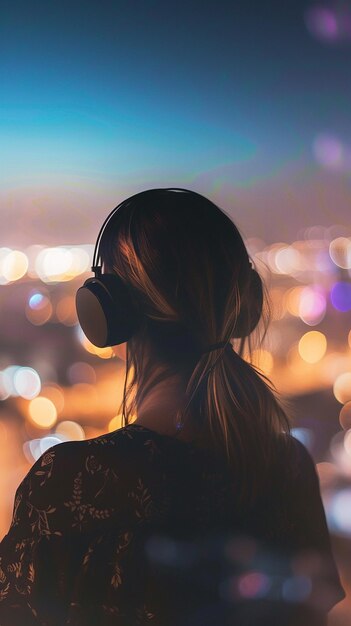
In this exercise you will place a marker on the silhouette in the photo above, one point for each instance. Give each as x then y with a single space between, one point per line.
202 509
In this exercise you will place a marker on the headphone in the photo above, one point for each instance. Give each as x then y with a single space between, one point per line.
107 312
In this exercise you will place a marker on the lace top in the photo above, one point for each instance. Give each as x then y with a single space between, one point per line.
135 528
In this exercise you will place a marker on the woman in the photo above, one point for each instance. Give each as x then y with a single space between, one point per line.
203 510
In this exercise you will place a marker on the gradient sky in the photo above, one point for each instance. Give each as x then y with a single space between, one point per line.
102 99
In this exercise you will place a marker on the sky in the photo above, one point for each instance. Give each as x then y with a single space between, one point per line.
99 100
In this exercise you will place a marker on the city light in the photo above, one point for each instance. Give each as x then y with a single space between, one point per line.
342 388
312 346
42 412
71 431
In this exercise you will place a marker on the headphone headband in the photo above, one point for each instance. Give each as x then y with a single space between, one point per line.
97 268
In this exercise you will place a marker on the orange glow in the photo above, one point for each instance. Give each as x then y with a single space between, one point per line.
70 430
332 365
292 300
263 359
84 398
42 412
53 392
103 353
120 351
279 303
342 388
53 264
115 423
312 346
66 311
14 265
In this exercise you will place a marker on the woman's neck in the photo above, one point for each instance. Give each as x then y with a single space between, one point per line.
157 410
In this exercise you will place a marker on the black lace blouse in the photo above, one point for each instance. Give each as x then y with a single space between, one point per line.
135 528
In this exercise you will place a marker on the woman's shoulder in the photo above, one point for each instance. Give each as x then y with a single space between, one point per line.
113 448
81 483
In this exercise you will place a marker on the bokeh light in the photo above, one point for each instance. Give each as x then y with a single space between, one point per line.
80 261
296 588
332 366
54 392
322 22
115 423
42 412
27 382
14 265
340 457
71 431
292 299
339 512
340 296
272 253
330 24
327 474
103 353
81 372
66 311
52 264
347 442
60 263
253 585
329 151
340 252
342 388
36 301
8 379
34 448
345 416
4 252
312 346
263 359
4 392
38 309
312 305
305 435
86 391
288 261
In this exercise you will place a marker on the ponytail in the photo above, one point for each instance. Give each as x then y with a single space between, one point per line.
238 405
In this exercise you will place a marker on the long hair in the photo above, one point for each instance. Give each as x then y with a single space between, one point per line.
187 266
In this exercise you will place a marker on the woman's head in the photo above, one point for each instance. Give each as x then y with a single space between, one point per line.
191 276
187 265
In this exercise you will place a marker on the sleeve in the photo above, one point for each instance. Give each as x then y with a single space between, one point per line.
19 550
40 554
308 535
72 547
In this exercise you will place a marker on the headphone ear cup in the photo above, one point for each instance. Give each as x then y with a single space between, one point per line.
106 312
251 307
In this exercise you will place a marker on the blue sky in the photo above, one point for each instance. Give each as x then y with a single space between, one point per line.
119 95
